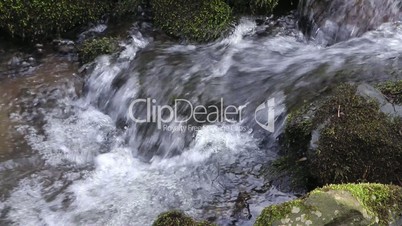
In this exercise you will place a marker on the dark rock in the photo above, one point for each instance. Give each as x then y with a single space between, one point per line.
64 46
332 21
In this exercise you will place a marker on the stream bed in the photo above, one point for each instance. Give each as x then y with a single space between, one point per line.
71 155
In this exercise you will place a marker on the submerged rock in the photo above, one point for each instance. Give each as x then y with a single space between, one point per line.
346 138
348 204
332 21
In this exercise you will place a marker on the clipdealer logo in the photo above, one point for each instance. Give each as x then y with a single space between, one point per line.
264 114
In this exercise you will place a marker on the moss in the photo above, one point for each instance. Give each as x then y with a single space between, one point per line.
92 48
253 6
177 218
196 20
357 142
392 90
276 213
378 199
38 19
125 7
346 204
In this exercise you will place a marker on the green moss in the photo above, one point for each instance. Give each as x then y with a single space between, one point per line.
253 6
392 90
125 7
276 213
197 20
357 142
92 48
378 199
346 204
37 19
177 218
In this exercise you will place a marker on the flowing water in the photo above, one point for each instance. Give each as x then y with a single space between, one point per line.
72 158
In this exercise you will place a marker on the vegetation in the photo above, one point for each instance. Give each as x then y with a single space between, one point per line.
92 48
177 218
197 20
392 90
253 6
36 19
362 204
355 142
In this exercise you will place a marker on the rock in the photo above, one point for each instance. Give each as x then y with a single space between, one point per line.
92 48
15 61
258 7
64 46
348 204
345 138
332 21
177 218
393 91
195 20
36 20
386 106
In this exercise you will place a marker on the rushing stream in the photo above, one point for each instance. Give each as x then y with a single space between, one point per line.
77 159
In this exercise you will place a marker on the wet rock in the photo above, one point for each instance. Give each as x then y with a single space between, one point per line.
332 21
348 204
352 135
177 218
387 107
64 46
15 61
93 32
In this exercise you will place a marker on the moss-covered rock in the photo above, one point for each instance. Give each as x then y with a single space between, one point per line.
125 7
347 204
345 138
253 6
392 90
197 20
92 48
177 218
37 19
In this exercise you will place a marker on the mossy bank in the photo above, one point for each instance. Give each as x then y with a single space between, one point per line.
37 20
347 204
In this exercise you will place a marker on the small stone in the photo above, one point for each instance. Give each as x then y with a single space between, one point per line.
309 222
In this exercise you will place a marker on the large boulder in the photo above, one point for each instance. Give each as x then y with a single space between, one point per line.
332 21
348 204
348 137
